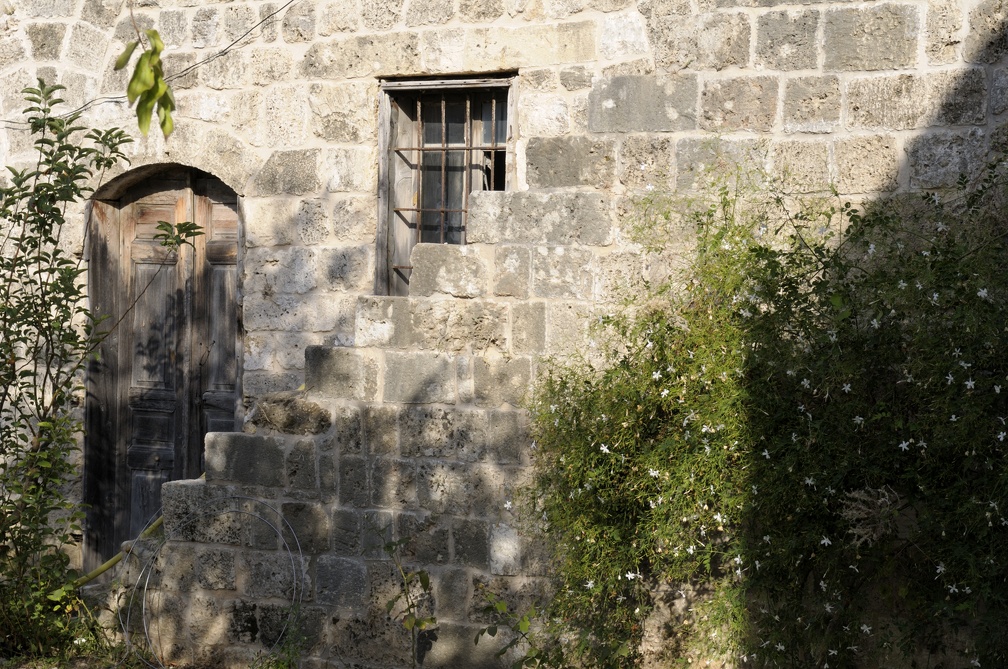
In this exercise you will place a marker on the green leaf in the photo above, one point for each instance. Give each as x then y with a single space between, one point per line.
123 59
424 580
157 46
142 80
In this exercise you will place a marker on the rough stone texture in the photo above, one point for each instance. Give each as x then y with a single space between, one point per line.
786 40
298 23
712 41
244 458
342 582
867 164
938 159
646 162
419 378
360 56
562 273
987 40
512 271
340 372
944 21
743 103
429 12
623 36
448 269
343 112
871 38
570 161
480 10
999 91
700 159
539 218
892 103
290 414
293 172
802 166
46 40
500 380
642 104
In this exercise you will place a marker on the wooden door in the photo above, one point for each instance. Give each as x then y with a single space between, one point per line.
167 373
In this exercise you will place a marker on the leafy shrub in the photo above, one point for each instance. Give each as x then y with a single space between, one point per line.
807 431
46 334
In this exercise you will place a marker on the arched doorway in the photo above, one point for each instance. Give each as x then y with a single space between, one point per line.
167 373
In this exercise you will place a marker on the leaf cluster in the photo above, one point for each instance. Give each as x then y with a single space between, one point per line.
147 87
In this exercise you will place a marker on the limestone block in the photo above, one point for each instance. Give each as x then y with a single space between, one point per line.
205 27
496 49
576 78
562 272
340 373
336 17
258 351
942 40
543 79
451 595
291 171
46 40
740 103
543 115
646 162
350 169
554 218
698 159
46 8
958 97
457 325
268 65
83 44
478 11
173 26
499 380
999 91
270 221
271 574
428 541
434 432
459 488
298 23
344 112
528 328
256 383
643 104
215 568
512 270
509 438
786 40
382 322
302 474
557 162
346 268
361 56
567 328
889 102
802 166
236 21
879 37
938 159
102 13
987 41
242 624
310 525
711 41
268 17
244 458
620 275
354 218
448 269
623 36
381 430
281 270
281 119
290 413
346 532
342 582
393 483
353 482
429 12
226 72
380 14
442 50
812 104
471 543
505 550
420 377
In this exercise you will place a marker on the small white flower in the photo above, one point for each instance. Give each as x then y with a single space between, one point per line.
858 420
982 293
865 628
825 541
846 388
941 568
604 448
809 481
970 383
949 379
875 323
904 446
507 505
654 473
805 383
954 418
1001 436
766 454
997 390
902 284
828 607
656 375
589 584
871 249
664 393
779 646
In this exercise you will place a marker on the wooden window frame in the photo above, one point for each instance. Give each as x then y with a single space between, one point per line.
388 206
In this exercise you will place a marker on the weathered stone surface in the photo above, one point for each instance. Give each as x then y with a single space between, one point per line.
683 40
382 321
623 36
336 17
381 430
509 437
205 27
802 166
987 40
46 40
289 413
643 104
393 483
567 328
480 10
785 40
354 218
562 272
102 13
294 172
340 373
173 26
342 582
84 42
938 159
890 102
528 329
499 380
380 14
215 569
812 104
433 432
539 218
741 103
343 112
620 275
558 162
958 97
498 48
879 37
698 159
300 466
361 56
448 269
457 325
353 481
547 115
280 270
310 525
471 543
457 488
576 78
269 65
646 162
944 21
270 21
429 12
505 551
512 270
350 169
999 91
244 458
346 532
298 23
418 378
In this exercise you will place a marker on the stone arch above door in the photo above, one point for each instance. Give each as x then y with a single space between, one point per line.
168 370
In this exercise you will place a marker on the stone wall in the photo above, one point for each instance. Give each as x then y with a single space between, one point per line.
423 395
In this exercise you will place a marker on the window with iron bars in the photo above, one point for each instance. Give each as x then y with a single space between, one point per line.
443 140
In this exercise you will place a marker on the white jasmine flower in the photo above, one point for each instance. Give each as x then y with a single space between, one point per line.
970 383
589 584
825 541
604 448
982 293
858 420
846 387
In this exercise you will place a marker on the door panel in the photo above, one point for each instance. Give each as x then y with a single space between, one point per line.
168 371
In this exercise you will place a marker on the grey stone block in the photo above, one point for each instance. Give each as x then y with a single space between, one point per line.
348 433
698 159
346 269
471 543
46 40
786 40
643 104
342 373
381 430
562 272
429 12
558 162
505 550
942 39
812 104
938 159
310 526
802 166
174 29
206 24
298 23
428 540
243 623
419 378
270 574
987 40
452 594
710 41
236 21
378 532
382 322
435 432
244 458
393 483
889 103
448 269
959 97
554 218
293 172
509 437
740 103
512 270
102 13
528 328
575 78
290 414
480 10
346 532
353 482
500 380
341 582
879 37
460 488
457 325
647 161
361 56
215 569
301 467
